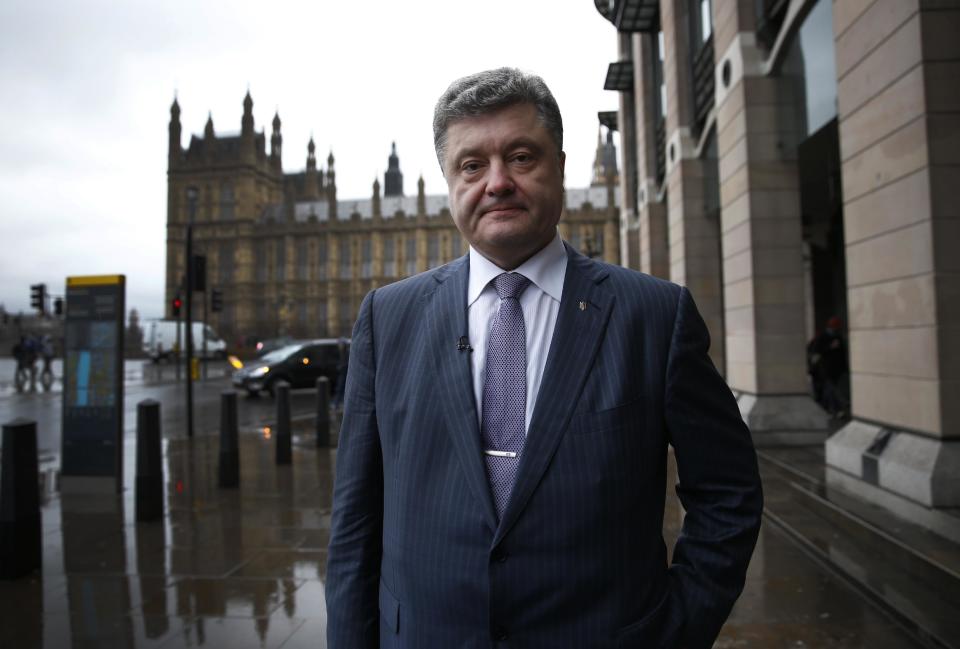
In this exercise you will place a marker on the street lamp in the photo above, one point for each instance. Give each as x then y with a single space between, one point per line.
191 215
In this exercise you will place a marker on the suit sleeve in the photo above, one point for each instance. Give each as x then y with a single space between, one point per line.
353 563
719 484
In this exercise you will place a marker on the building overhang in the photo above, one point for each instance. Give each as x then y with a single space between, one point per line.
631 15
619 76
608 118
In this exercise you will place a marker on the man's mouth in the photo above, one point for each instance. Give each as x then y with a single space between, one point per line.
497 210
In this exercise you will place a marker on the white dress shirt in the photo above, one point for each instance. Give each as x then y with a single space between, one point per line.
540 303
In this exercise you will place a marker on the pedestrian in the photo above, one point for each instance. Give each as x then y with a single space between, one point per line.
47 353
20 374
502 461
829 360
31 348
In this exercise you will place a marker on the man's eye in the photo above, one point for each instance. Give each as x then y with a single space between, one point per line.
470 167
522 158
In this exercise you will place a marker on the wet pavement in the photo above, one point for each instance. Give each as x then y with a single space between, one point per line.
246 567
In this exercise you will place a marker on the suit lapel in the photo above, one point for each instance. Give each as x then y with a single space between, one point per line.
576 340
446 323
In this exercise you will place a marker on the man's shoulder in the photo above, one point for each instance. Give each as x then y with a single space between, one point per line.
621 279
416 286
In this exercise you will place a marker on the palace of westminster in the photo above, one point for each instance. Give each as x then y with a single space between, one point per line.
290 258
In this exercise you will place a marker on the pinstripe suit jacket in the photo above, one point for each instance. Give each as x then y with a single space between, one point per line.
417 558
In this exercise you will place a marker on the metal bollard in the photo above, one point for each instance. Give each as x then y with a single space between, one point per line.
323 411
149 483
21 549
284 441
229 441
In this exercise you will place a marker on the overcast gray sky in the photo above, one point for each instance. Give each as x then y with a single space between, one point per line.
87 86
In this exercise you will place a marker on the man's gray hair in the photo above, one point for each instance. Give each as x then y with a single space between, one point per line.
486 92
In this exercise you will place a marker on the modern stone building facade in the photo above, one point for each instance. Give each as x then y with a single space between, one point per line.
793 160
292 258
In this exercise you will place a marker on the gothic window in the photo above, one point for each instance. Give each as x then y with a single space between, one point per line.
433 250
345 258
281 260
598 241
389 256
227 201
346 316
303 267
411 255
322 258
322 317
366 258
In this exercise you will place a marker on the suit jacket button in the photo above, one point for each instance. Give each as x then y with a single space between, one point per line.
500 556
500 634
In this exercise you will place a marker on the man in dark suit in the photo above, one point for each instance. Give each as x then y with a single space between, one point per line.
502 464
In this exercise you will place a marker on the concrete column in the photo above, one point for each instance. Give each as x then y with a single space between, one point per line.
764 303
628 225
651 213
899 111
613 252
693 236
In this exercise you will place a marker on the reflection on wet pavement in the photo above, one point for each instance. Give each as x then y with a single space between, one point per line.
246 567
224 568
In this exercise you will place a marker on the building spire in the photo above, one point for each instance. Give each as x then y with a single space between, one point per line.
276 141
175 132
421 198
246 124
392 178
311 189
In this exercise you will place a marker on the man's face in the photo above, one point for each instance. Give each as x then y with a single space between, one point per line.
505 178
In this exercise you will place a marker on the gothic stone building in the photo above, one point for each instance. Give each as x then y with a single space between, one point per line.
292 259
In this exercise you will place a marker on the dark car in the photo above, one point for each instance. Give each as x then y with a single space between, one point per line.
264 347
300 364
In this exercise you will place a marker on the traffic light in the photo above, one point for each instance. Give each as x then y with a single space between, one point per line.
216 300
38 294
177 303
58 306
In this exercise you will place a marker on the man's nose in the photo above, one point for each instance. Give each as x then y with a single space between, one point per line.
499 181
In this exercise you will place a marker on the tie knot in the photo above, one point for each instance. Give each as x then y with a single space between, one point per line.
510 285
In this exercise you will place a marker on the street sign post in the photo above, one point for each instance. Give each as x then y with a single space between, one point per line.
92 440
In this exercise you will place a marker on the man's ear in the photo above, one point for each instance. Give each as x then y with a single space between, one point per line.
563 162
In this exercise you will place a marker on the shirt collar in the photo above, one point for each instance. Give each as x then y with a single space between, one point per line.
546 269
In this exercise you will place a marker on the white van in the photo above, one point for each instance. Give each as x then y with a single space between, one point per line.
160 340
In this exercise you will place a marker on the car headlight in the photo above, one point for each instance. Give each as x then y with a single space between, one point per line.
260 371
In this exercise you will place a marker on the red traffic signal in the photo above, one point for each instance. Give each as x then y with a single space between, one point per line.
177 303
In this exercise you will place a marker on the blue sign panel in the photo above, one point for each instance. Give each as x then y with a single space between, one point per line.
92 437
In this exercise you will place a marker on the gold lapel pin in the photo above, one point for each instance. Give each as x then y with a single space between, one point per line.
583 305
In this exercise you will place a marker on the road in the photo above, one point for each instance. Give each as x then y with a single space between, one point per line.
144 380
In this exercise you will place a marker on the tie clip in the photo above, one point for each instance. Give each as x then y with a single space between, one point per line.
500 453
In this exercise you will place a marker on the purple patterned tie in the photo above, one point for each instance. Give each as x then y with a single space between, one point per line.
505 390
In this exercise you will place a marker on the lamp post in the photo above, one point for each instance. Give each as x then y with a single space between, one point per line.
192 212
